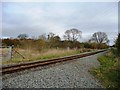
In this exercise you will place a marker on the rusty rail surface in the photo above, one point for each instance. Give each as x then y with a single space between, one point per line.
23 66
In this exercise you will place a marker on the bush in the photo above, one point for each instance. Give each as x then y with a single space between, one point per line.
118 44
87 45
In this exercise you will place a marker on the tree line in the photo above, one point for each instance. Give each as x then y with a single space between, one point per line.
71 40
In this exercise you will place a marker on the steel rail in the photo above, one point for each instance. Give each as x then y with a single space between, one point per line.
23 66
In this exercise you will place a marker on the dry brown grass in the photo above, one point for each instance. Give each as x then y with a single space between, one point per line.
31 55
45 54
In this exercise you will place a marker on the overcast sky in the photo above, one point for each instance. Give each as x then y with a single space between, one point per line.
37 18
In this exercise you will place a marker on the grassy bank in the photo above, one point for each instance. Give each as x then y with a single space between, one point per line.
109 70
32 55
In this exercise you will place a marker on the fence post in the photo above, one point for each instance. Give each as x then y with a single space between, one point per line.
10 51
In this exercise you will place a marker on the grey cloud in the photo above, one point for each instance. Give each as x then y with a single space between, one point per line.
58 17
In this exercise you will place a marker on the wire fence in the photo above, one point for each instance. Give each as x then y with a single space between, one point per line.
6 52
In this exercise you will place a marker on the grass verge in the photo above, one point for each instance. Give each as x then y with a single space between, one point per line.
109 71
31 55
46 54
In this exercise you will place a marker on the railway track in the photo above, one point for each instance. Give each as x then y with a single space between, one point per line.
23 66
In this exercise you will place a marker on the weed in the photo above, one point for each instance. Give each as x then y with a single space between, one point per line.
108 72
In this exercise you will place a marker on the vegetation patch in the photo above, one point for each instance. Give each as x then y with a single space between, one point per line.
31 55
109 70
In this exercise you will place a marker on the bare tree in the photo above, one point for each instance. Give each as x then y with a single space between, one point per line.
50 35
43 37
72 34
67 35
99 37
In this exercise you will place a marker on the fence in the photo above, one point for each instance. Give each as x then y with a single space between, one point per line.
6 52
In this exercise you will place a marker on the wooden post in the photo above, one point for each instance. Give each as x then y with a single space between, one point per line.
68 48
10 52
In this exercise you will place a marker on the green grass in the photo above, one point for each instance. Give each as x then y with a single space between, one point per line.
109 71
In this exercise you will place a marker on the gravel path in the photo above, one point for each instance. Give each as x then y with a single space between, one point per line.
70 74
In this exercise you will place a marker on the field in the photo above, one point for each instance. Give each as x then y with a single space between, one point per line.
32 55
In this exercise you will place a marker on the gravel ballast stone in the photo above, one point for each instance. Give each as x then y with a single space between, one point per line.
70 74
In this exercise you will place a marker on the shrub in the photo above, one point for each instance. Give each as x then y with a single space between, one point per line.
108 72
118 44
